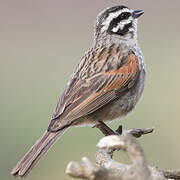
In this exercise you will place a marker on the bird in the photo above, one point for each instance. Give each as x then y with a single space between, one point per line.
106 84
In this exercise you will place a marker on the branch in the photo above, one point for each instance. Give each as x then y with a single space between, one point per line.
108 169
170 174
85 169
137 133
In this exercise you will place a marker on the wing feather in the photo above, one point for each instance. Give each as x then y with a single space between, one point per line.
86 96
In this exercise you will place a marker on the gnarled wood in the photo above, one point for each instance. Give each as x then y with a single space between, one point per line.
106 168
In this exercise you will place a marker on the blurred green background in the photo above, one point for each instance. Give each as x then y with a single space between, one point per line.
42 41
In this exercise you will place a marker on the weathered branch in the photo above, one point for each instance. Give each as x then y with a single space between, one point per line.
170 174
139 132
108 169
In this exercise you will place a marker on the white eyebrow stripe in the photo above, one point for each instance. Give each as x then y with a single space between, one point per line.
111 17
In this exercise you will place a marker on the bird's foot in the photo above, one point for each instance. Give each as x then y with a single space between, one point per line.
119 130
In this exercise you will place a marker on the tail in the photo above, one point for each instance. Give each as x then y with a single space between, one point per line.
41 146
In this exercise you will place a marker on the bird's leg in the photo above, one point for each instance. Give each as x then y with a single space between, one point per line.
107 130
119 130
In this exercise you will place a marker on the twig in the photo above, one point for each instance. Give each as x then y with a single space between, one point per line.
137 133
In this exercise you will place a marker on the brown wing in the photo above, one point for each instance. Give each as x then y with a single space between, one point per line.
95 92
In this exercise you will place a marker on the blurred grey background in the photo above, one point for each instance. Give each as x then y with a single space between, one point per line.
42 41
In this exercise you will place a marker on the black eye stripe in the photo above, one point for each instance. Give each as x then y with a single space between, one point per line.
121 17
124 15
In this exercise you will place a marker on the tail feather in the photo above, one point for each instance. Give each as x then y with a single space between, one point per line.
25 165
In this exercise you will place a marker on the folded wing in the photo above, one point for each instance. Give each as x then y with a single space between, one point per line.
83 97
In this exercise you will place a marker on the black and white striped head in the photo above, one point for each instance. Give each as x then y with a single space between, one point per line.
119 20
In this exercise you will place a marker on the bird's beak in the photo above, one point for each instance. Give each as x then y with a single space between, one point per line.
137 13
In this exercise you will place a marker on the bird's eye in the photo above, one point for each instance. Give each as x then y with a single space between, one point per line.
125 15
